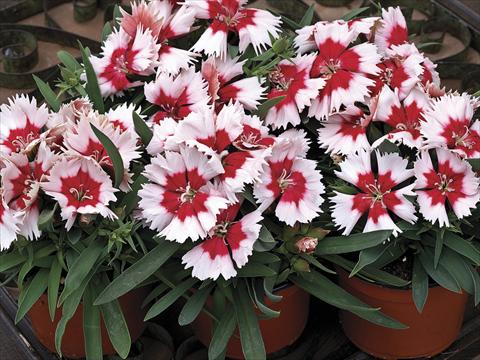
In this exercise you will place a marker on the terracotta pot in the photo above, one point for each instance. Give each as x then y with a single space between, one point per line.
277 333
73 340
429 333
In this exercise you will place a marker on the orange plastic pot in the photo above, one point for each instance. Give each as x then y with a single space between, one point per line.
277 333
429 332
73 340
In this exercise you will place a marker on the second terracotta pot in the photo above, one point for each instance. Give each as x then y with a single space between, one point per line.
73 340
429 332
277 333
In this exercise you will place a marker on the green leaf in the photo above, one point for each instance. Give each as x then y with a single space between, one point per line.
394 252
354 13
419 285
45 218
169 298
311 259
255 270
47 93
268 284
117 328
476 283
264 258
82 266
248 327
159 290
324 289
106 31
113 154
441 275
91 325
267 105
475 162
138 272
308 17
259 297
92 88
53 285
130 200
462 246
68 60
69 308
32 293
10 260
142 129
458 266
368 256
438 246
351 243
222 333
194 306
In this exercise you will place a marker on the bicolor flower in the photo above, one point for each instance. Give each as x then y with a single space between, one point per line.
345 132
450 124
121 56
163 138
81 140
378 194
80 186
121 117
166 21
291 79
452 181
222 86
393 29
9 221
404 117
253 26
293 181
21 122
177 96
21 179
180 200
401 69
229 242
346 70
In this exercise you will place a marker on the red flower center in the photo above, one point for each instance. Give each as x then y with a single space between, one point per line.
81 190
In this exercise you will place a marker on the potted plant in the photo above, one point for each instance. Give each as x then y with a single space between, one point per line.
65 215
408 162
234 198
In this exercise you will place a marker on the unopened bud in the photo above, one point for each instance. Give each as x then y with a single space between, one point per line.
280 46
306 244
301 265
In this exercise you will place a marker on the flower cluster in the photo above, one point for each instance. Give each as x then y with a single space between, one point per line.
57 157
240 129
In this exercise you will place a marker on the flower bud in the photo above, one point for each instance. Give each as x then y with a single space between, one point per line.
280 46
301 265
306 244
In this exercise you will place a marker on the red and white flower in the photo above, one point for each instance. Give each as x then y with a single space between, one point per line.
21 121
453 181
449 124
291 79
223 88
401 69
393 30
228 242
404 118
378 195
346 71
253 26
166 21
163 138
292 180
80 186
81 140
9 221
121 117
177 96
180 200
21 179
123 55
345 132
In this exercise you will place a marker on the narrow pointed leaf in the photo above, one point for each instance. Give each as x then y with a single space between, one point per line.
194 306
91 325
53 285
351 243
32 293
113 154
48 94
68 60
419 285
138 272
222 333
142 129
267 105
92 88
